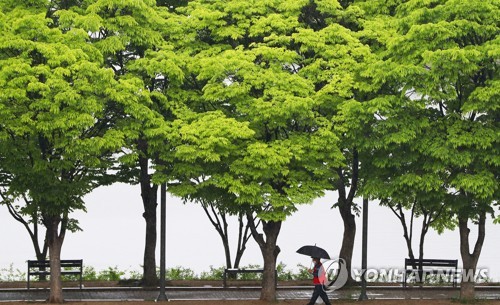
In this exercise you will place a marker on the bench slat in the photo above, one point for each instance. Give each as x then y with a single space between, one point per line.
73 267
421 263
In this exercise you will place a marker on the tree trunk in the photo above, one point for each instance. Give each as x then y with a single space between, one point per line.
425 228
407 233
270 252
239 256
224 235
219 221
243 237
227 253
240 249
467 290
55 242
150 277
41 255
469 260
349 236
426 223
149 194
345 208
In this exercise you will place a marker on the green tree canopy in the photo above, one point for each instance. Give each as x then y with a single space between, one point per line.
248 62
135 40
60 115
444 55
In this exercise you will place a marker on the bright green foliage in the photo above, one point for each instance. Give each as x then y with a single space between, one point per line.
248 68
459 76
63 116
285 68
137 41
440 135
59 111
133 38
334 59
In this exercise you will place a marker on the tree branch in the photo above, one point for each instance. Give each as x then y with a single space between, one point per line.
355 175
216 224
480 236
259 238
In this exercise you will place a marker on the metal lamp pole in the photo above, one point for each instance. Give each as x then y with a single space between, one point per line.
163 228
364 251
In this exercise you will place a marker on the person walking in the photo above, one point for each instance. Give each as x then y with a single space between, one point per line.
319 279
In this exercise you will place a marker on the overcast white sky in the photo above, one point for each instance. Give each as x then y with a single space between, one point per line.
114 236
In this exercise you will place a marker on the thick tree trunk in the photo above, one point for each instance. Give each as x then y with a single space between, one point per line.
469 260
150 278
55 241
270 252
346 250
467 290
345 208
149 194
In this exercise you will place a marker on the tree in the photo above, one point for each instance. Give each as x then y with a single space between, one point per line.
400 177
134 26
60 112
132 36
334 59
245 68
401 183
446 54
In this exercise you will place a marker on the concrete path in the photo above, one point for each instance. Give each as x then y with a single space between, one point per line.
211 293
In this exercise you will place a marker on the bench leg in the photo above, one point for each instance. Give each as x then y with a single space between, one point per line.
275 279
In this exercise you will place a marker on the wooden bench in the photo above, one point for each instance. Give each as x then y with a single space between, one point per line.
68 267
236 271
447 267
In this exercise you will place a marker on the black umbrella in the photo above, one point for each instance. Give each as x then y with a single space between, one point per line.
314 251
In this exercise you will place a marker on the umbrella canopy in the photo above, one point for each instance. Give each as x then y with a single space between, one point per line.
314 251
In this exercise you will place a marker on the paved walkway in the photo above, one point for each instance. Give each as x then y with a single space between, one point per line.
211 293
